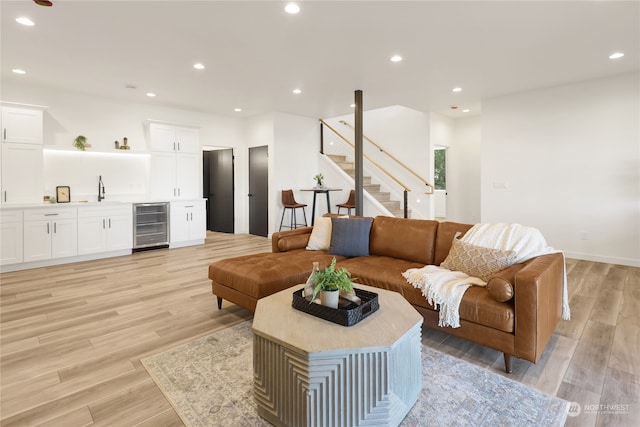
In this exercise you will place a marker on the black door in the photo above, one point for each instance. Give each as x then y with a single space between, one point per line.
218 189
258 191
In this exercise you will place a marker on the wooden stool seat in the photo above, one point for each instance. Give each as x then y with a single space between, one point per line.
289 202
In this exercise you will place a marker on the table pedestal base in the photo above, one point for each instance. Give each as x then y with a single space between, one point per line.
363 386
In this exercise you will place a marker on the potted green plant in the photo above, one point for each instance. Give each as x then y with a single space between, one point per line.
329 282
319 180
81 142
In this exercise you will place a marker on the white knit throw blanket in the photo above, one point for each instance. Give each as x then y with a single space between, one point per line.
444 288
526 242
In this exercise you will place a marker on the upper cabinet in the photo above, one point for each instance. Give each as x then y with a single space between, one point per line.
176 162
21 125
170 138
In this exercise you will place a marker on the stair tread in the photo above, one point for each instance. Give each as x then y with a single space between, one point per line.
383 197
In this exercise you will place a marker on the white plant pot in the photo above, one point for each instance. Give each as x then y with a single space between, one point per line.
329 298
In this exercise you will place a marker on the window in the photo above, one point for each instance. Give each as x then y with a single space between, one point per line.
440 168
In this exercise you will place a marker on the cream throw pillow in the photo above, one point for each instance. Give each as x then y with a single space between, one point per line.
477 261
320 238
320 235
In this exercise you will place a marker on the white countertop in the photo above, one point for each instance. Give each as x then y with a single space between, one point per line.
77 204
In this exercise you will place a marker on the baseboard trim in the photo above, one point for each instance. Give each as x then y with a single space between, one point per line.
602 258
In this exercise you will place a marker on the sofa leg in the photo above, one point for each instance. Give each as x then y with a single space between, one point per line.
219 302
507 363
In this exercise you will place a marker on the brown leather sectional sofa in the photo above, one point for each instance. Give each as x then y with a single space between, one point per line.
517 318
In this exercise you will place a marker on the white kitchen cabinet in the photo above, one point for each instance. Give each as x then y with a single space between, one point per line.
10 237
50 233
171 138
188 223
22 174
22 125
21 179
176 162
105 228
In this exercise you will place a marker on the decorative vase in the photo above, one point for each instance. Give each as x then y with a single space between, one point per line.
329 298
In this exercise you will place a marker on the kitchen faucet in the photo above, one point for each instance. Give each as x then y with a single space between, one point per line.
100 189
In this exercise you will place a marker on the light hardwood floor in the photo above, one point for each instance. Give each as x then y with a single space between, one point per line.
72 337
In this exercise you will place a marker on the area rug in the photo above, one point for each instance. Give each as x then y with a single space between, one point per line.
209 383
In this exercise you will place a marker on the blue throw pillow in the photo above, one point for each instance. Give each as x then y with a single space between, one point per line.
350 236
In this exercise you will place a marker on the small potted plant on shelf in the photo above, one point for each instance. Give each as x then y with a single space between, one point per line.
329 282
81 142
319 180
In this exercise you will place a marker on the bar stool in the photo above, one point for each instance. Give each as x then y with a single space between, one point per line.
289 202
349 204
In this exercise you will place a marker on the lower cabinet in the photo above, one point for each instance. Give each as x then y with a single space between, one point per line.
50 233
11 237
104 229
188 222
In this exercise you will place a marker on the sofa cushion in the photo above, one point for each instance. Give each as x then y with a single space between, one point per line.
263 274
477 261
477 305
379 271
408 239
350 236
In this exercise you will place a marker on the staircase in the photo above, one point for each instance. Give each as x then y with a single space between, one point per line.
384 197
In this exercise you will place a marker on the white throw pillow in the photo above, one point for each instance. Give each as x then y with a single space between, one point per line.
320 235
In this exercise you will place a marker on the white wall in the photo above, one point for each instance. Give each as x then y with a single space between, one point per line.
567 161
404 133
463 172
258 132
293 143
295 163
441 134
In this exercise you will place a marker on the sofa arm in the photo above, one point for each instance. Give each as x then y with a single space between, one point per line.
538 304
283 241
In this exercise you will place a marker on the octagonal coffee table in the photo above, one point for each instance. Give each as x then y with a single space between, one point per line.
312 372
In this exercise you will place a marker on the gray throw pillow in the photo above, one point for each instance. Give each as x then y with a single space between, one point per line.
350 236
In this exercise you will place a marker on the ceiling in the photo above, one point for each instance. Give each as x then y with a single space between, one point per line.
255 53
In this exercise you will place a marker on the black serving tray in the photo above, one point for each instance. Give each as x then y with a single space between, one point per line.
345 315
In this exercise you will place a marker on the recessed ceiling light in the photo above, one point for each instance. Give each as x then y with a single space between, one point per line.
25 21
457 89
616 55
297 91
396 58
292 8
237 110
466 110
352 105
19 71
151 94
198 66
